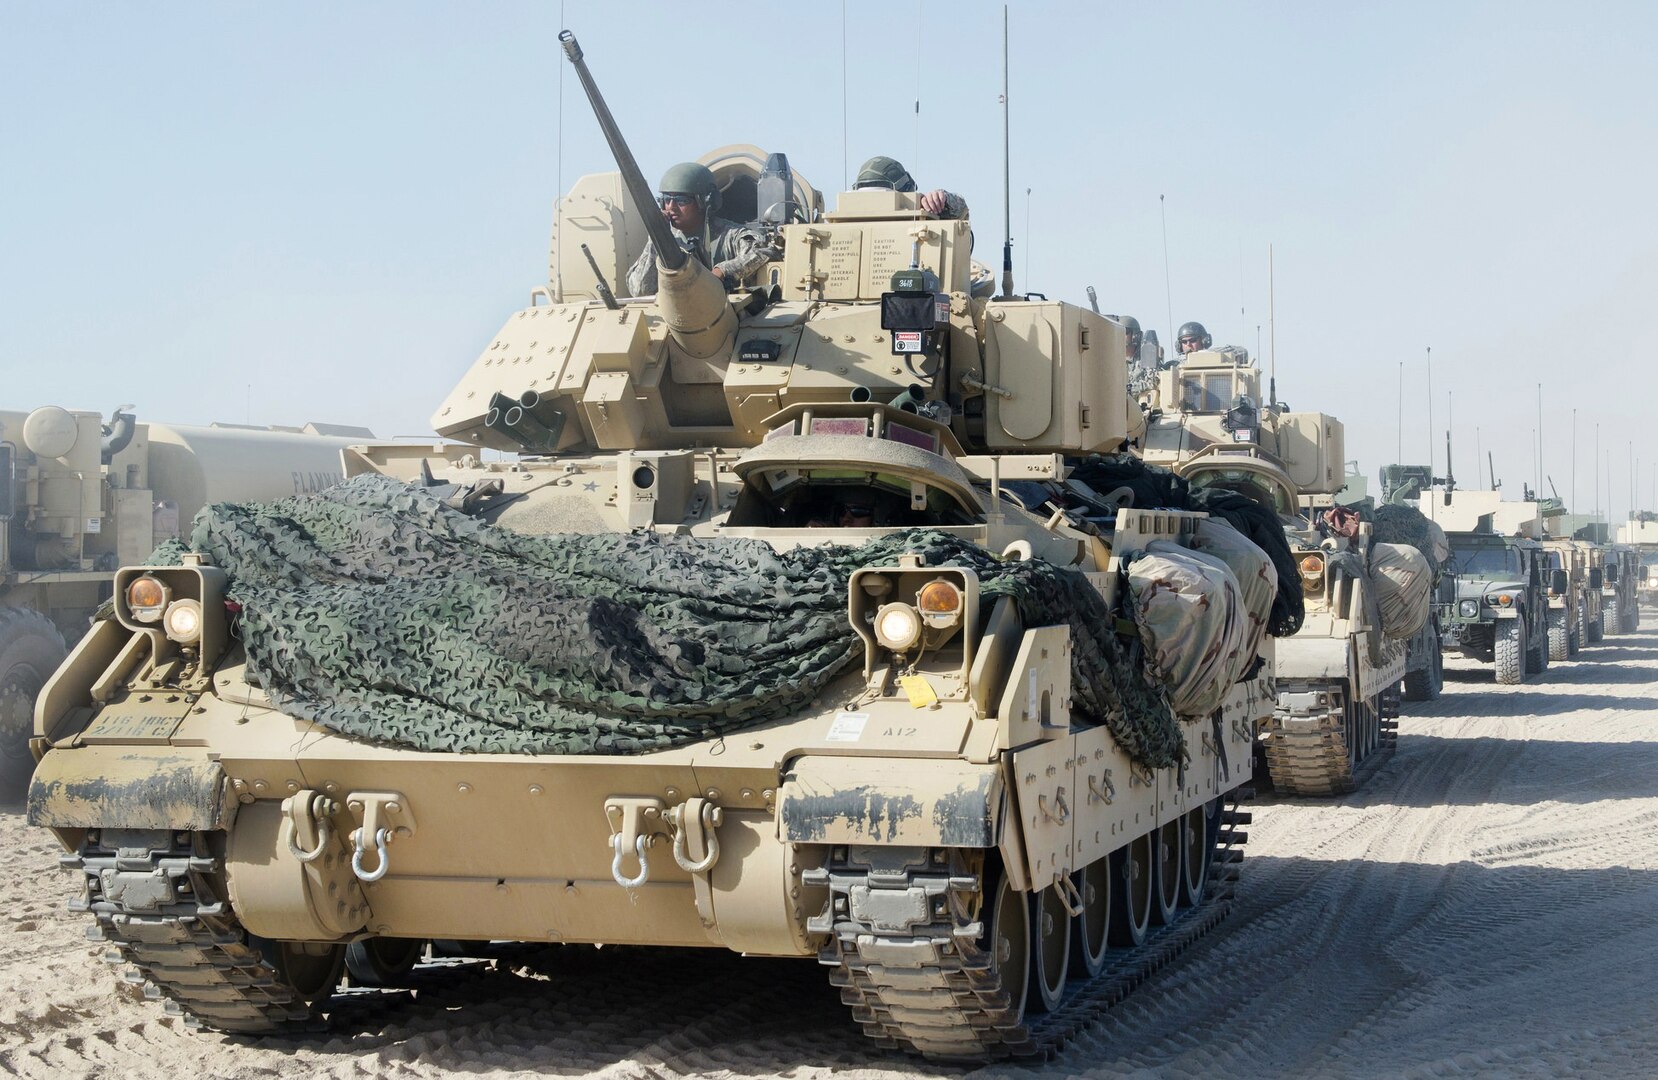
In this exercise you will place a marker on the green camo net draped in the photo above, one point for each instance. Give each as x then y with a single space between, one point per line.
375 611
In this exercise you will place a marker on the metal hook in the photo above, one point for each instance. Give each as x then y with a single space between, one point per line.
616 863
381 837
710 840
321 809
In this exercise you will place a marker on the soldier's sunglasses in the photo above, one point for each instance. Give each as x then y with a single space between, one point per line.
666 201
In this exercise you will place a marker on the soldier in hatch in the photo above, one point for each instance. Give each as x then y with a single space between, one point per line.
1132 337
689 196
1193 337
884 172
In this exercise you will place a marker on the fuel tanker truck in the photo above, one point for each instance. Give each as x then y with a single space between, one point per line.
81 496
805 622
1337 678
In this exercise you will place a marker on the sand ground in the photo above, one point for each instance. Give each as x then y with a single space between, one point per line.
1487 905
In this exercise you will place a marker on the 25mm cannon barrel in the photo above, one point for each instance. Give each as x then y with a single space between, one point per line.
668 251
692 300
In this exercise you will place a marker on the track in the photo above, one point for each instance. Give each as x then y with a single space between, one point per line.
1487 904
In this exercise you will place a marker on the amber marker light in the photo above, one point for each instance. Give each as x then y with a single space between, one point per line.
147 598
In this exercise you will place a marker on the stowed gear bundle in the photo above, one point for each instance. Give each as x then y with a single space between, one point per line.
377 612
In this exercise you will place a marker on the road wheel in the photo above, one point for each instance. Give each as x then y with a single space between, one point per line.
1131 895
1166 886
1091 929
1194 855
1008 941
309 969
382 961
1560 638
1050 947
1511 652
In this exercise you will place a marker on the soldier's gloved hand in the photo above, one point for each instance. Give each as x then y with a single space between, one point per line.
729 283
936 201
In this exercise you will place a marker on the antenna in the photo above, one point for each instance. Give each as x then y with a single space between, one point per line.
1539 440
1007 174
846 169
1272 329
1430 415
1168 293
1027 237
920 35
1399 454
1575 508
1491 460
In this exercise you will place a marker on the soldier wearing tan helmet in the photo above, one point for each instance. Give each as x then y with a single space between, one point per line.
884 172
689 196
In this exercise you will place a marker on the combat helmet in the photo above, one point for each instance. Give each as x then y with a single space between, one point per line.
1131 327
689 178
1193 331
881 171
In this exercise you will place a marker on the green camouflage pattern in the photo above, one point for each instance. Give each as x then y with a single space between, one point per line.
375 611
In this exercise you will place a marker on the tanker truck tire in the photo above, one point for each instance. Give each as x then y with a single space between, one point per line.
1560 638
30 651
1510 652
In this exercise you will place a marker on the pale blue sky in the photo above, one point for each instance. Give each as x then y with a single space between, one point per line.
338 204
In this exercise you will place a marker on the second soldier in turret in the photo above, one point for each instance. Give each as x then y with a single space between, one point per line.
689 197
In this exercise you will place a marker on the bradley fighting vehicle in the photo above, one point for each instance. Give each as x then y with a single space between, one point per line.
979 865
1402 485
81 496
1338 677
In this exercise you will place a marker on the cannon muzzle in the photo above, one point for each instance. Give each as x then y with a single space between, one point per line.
693 302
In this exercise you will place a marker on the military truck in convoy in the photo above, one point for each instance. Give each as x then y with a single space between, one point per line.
1401 487
1568 571
1337 677
1620 594
1499 612
791 630
81 496
1641 533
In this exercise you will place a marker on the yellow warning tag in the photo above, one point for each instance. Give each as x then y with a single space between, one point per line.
919 691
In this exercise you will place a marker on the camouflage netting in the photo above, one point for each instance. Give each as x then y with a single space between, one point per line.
1153 486
377 612
1397 524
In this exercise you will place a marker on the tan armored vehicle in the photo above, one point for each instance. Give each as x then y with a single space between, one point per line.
1337 678
985 817
81 496
1568 606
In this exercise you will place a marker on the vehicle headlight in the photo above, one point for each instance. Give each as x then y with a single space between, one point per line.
897 627
147 598
1468 609
1499 599
183 621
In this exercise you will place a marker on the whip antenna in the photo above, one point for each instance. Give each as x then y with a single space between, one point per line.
1007 172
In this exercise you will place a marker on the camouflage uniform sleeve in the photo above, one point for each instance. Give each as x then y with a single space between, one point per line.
642 277
741 250
955 207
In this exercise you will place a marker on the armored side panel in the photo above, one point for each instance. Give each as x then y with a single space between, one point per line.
1060 378
1313 448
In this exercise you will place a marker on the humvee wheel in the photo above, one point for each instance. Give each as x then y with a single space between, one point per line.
1511 652
1194 855
1560 638
1537 653
1166 886
1007 940
1091 928
1131 891
1050 947
309 969
382 961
